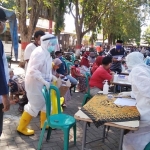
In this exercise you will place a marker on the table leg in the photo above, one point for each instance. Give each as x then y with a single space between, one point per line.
115 88
84 135
121 139
120 88
104 133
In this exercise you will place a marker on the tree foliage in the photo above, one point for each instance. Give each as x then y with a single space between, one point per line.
122 21
146 35
9 4
60 8
88 15
118 18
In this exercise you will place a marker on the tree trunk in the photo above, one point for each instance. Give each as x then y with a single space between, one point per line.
26 32
110 39
79 39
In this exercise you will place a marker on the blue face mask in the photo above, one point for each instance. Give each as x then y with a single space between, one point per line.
76 65
60 57
51 49
118 46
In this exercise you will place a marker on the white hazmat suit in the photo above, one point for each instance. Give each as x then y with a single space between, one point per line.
39 73
140 82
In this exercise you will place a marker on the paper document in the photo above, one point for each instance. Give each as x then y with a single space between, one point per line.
132 124
82 115
125 102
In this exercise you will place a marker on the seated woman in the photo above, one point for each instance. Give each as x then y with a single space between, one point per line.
97 63
92 58
100 75
60 81
75 72
85 64
17 87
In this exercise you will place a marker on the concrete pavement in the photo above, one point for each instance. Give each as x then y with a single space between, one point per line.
12 140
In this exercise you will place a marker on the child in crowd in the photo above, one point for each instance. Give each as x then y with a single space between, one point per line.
13 87
17 87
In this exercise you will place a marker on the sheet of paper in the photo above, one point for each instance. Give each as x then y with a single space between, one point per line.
125 102
81 114
133 124
119 58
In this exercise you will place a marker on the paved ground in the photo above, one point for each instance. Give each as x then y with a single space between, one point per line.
11 140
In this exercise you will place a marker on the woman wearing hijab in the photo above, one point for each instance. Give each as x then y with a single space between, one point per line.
92 58
85 64
57 62
97 63
75 72
139 78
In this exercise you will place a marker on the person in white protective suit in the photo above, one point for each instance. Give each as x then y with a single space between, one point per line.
140 82
39 73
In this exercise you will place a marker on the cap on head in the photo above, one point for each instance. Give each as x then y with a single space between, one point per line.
119 41
2 15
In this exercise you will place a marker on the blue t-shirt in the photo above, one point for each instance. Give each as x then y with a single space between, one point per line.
3 82
63 68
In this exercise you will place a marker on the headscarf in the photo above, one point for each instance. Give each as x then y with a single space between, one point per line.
134 59
57 61
84 60
97 63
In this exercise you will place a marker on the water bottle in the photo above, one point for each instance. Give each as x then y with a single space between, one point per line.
115 77
105 88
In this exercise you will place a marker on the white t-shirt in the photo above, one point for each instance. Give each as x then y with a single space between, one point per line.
27 53
29 49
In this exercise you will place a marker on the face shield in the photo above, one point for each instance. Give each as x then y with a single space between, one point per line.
52 44
49 43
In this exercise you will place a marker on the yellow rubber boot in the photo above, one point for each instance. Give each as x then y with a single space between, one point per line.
24 121
42 119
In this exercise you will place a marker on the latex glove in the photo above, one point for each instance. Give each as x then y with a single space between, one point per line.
44 82
47 84
124 94
68 84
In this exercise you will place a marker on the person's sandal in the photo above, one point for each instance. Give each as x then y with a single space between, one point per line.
64 105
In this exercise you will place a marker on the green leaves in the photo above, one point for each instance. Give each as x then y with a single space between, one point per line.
122 21
146 36
9 4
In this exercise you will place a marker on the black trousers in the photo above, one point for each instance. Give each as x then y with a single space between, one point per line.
1 118
116 70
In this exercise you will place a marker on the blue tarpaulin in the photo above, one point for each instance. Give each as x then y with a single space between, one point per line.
11 16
